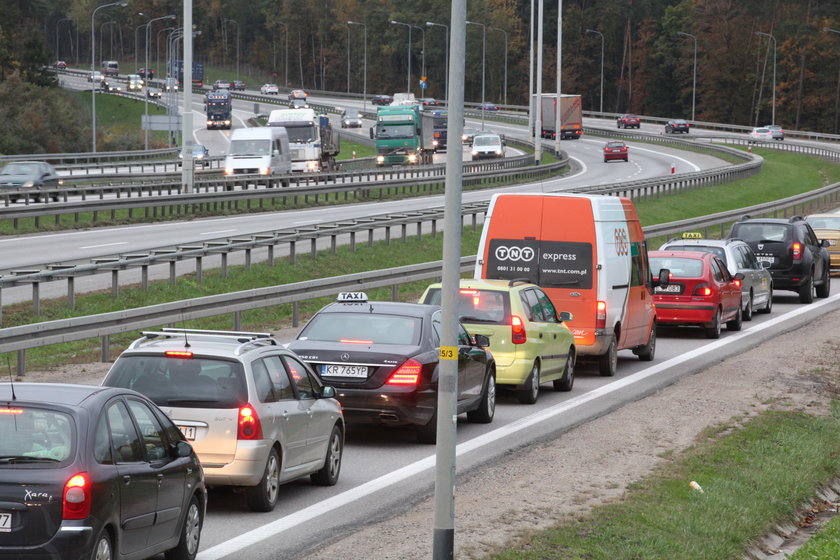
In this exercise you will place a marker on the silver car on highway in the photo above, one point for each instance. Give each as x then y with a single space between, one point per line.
757 285
255 413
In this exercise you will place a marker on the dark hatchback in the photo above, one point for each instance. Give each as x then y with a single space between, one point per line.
677 125
94 472
382 358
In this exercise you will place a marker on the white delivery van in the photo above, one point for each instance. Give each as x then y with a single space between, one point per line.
588 253
261 150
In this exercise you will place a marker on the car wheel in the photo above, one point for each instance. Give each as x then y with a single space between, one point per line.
824 289
328 475
768 307
566 382
748 309
736 323
487 408
608 361
648 351
713 331
263 496
187 548
531 390
103 550
806 292
427 433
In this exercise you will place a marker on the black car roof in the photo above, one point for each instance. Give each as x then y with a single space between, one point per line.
382 308
55 393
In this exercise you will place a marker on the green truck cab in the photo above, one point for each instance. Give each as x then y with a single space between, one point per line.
404 135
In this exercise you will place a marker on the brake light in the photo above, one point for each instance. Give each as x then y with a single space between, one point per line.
407 374
76 502
737 282
601 315
355 341
702 289
517 331
797 251
178 354
249 424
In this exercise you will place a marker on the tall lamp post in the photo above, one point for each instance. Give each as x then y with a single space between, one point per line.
146 75
773 116
483 60
157 45
837 96
408 81
136 33
102 36
422 47
506 57
92 61
694 73
364 79
57 26
601 109
226 20
286 63
446 57
347 25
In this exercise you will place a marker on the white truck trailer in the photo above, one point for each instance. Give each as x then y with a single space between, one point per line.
313 142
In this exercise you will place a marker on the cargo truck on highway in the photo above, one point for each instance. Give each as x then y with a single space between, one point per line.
404 135
313 142
571 116
218 107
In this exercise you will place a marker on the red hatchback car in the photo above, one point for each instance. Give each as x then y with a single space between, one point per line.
701 292
615 150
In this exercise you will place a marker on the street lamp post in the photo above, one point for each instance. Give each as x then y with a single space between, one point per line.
347 25
506 57
422 48
364 79
226 20
102 36
601 110
408 81
57 26
483 60
286 63
837 95
92 60
773 116
136 33
157 45
146 75
446 58
694 73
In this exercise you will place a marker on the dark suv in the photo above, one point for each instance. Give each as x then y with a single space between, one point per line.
790 250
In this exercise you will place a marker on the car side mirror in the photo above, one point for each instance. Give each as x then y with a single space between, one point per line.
825 243
276 152
328 392
663 279
565 316
765 264
482 340
739 276
183 449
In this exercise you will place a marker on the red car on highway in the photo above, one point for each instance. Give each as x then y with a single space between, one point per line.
701 292
629 121
615 149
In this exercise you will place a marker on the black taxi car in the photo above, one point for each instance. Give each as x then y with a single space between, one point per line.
94 472
382 358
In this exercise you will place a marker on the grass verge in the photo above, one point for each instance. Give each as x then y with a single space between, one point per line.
752 476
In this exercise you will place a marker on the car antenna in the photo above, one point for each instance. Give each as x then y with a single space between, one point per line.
11 378
186 341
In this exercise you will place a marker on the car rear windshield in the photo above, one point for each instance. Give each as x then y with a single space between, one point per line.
761 232
363 327
717 251
189 382
34 436
477 306
680 267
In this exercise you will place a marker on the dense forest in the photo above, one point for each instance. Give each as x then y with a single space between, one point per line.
648 50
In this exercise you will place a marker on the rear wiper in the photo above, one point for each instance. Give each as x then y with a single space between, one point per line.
467 319
26 459
175 402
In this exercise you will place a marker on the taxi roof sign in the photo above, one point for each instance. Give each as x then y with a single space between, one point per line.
352 297
692 235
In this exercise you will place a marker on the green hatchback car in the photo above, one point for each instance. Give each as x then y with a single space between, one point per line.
528 337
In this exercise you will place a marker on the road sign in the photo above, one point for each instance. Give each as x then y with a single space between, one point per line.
161 122
423 85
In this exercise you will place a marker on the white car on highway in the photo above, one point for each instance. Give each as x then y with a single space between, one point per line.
270 89
761 133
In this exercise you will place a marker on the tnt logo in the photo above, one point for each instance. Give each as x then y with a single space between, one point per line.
622 246
504 253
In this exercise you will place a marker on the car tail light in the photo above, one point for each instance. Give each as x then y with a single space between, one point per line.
737 282
796 248
601 315
407 374
702 289
76 502
517 330
178 354
249 423
355 341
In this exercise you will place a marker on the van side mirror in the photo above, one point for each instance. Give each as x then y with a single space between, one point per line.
663 279
276 152
565 316
371 133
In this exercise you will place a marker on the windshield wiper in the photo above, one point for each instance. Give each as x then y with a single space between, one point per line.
26 459
175 402
468 319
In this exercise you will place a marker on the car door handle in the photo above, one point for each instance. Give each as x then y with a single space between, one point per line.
285 415
126 479
160 478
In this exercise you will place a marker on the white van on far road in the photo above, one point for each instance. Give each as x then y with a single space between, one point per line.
261 151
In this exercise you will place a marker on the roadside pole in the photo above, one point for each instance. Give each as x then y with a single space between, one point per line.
538 107
443 546
558 113
187 170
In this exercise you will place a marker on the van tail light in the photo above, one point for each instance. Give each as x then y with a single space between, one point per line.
407 374
76 502
702 289
796 248
517 330
249 424
601 315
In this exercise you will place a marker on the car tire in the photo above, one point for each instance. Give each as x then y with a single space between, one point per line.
806 292
824 289
103 549
566 382
736 323
328 475
487 407
647 352
263 496
608 361
768 307
427 433
187 547
713 331
531 388
747 315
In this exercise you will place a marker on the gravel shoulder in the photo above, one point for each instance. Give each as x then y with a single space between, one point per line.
593 463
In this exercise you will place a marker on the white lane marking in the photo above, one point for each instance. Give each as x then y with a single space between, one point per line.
217 232
104 245
273 528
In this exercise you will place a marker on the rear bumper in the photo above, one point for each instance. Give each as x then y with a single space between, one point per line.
685 313
387 406
70 542
788 279
246 468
